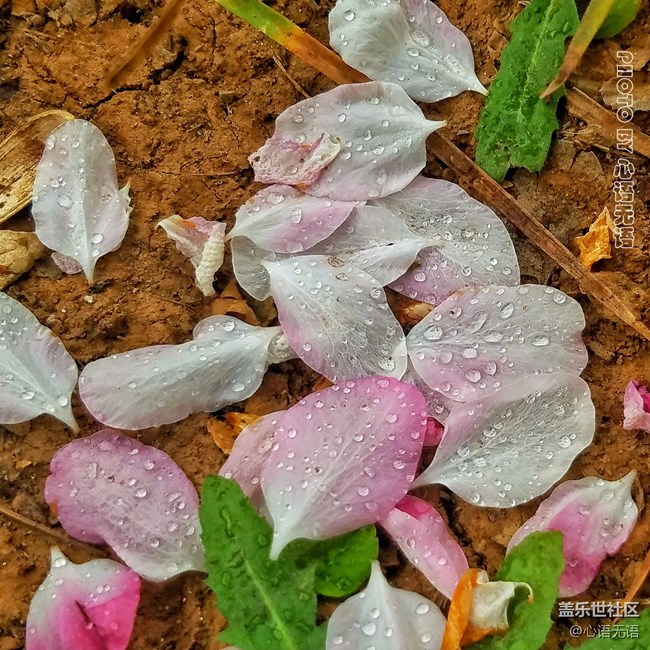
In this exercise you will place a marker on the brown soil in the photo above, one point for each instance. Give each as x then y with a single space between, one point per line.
181 128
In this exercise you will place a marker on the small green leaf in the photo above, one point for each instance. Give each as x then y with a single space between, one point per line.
269 605
538 561
621 15
342 563
619 637
516 126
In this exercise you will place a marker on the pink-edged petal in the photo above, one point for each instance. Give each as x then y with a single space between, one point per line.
283 219
88 606
408 42
473 247
249 455
342 458
434 433
37 374
160 384
511 446
595 517
203 242
423 537
385 618
109 488
77 207
483 338
636 406
381 133
336 318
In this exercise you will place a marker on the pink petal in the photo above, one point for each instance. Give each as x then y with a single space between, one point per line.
336 318
385 618
66 264
434 433
422 535
283 219
595 517
381 133
342 458
483 338
112 489
636 406
88 606
203 242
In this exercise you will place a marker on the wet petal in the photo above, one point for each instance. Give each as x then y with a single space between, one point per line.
336 318
78 209
248 265
203 242
595 517
511 446
423 537
37 375
475 247
372 122
90 606
438 405
109 488
342 458
483 338
283 219
385 618
160 384
636 406
408 42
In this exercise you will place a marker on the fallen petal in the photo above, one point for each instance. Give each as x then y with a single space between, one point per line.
438 405
203 242
248 261
511 446
407 42
90 606
37 375
636 406
78 209
342 458
111 489
160 384
386 618
336 318
423 537
595 517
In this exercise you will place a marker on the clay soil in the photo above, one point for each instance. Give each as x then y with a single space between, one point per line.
182 126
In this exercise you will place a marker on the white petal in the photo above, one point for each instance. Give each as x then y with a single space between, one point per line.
37 375
247 264
490 602
78 209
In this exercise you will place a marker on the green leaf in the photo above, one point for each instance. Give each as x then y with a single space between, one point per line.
269 605
622 631
538 561
342 563
516 126
621 15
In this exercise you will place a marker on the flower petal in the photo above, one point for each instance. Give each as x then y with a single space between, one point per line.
408 42
474 247
90 606
247 263
336 318
373 123
483 338
511 446
160 384
386 618
439 406
283 219
342 458
112 489
77 207
423 537
595 517
636 407
37 375
203 242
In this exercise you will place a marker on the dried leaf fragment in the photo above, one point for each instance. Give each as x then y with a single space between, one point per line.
225 433
595 245
18 252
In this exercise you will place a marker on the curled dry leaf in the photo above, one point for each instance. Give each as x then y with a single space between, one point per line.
111 489
18 252
230 302
636 406
78 209
408 42
37 375
595 245
595 517
90 606
202 242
